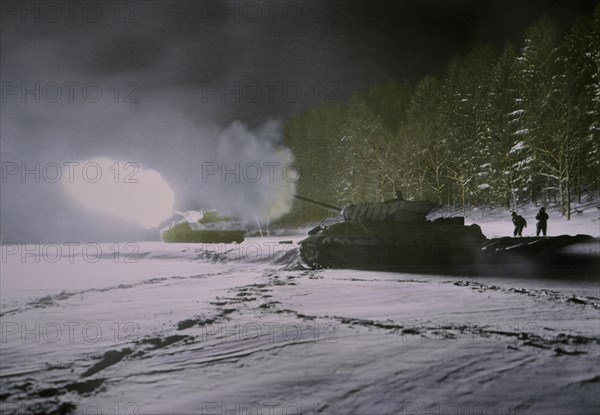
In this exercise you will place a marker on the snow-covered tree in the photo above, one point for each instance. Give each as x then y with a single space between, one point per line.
466 107
426 130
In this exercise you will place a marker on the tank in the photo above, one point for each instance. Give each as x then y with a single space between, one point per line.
205 226
395 233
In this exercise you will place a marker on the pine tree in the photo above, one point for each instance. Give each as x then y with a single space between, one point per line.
426 130
510 160
466 108
368 161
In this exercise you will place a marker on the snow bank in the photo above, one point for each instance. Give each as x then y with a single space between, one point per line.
497 222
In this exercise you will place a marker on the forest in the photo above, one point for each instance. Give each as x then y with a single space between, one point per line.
499 127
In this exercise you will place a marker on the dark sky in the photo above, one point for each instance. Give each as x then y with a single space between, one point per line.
186 70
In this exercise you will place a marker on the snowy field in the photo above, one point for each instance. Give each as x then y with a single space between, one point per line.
154 328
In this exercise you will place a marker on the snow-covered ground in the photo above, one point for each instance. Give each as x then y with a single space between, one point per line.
154 328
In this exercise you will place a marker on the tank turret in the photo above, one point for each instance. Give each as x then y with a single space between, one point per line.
393 210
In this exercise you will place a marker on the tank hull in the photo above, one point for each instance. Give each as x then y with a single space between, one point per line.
392 244
183 233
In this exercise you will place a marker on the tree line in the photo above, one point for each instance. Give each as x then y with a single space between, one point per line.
497 128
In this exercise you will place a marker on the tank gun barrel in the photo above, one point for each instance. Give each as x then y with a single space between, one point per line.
320 204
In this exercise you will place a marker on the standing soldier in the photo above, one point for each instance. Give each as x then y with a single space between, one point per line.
542 224
519 222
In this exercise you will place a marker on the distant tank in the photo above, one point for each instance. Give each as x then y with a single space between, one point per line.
205 226
395 233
